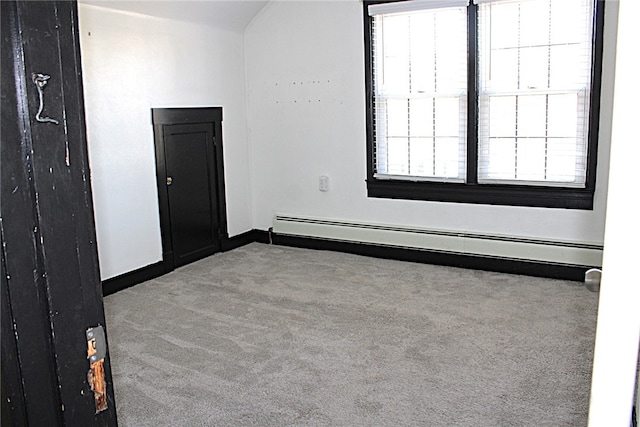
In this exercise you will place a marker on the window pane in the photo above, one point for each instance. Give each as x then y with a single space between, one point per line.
396 54
451 48
422 156
502 160
546 67
423 54
397 154
568 24
421 117
447 117
531 159
397 117
567 67
534 22
502 110
532 114
505 34
562 115
562 159
503 72
420 78
446 157
534 68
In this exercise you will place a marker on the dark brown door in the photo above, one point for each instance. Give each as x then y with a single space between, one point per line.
190 175
191 184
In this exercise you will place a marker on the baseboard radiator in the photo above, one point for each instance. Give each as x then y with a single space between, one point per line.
446 241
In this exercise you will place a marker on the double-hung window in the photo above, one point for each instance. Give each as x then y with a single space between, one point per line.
488 101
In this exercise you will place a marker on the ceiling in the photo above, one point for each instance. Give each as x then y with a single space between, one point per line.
228 14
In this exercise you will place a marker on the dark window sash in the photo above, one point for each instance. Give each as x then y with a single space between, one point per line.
487 194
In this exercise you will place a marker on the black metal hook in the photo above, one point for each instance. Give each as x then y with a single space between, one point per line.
40 80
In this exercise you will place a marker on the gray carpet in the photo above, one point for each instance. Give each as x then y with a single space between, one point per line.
275 336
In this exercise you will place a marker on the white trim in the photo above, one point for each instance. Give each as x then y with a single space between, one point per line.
417 178
414 5
564 184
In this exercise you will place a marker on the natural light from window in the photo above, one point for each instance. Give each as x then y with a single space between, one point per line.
534 71
534 80
421 87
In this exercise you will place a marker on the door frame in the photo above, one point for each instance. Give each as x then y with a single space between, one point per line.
161 117
50 288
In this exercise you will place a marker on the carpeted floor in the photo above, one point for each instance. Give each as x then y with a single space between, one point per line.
275 336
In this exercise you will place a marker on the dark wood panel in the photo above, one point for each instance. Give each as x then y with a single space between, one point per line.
53 284
173 116
173 128
190 165
25 291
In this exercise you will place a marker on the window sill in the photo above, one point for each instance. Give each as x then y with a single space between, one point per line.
487 194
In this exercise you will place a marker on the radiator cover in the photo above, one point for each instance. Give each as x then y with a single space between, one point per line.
446 241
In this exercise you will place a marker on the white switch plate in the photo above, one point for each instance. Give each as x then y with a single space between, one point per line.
323 183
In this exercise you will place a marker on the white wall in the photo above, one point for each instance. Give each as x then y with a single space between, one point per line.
132 63
306 117
618 326
302 115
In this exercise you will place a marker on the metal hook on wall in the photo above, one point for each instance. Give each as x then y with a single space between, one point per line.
40 80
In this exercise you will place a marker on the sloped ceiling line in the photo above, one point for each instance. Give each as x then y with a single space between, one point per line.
232 15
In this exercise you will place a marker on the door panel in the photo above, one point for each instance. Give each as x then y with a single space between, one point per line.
190 166
193 218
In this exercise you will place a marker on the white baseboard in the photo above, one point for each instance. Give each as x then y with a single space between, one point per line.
467 243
